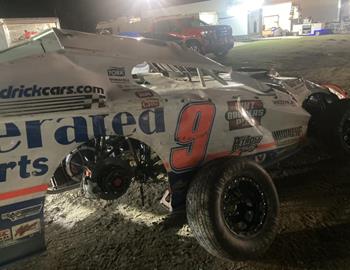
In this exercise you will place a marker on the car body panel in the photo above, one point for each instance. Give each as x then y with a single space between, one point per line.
80 86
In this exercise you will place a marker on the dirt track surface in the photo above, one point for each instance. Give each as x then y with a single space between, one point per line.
314 231
322 59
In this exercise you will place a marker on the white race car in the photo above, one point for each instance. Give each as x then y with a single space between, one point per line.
102 111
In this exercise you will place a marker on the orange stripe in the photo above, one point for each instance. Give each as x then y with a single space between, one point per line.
266 146
22 192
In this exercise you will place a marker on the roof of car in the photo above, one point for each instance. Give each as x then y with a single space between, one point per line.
135 49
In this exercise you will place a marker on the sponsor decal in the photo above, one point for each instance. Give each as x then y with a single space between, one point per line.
150 103
281 102
51 104
26 229
287 136
22 213
5 235
69 130
144 94
117 75
245 113
246 143
23 91
130 87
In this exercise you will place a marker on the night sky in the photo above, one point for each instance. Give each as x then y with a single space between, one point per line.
73 14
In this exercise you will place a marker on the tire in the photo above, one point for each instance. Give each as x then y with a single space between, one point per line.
221 54
195 46
206 214
334 127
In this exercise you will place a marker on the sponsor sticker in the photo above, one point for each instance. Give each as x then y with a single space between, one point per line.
26 229
281 102
5 235
150 103
22 213
287 136
246 143
245 113
117 75
144 94
126 87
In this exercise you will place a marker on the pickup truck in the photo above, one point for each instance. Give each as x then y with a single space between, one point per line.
196 34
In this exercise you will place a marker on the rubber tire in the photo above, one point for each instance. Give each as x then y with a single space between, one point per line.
221 54
195 46
330 124
205 218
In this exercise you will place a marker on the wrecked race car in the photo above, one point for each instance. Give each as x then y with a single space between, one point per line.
102 111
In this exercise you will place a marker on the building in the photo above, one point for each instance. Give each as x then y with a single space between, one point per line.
246 17
251 17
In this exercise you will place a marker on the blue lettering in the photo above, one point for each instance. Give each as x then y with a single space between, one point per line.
23 165
145 122
3 170
118 124
11 131
40 166
98 122
80 131
34 138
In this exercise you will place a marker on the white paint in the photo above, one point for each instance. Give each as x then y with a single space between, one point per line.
277 15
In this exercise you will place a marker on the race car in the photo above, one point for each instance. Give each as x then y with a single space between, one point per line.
103 111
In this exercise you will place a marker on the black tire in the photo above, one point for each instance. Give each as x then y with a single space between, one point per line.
334 128
195 46
205 211
221 53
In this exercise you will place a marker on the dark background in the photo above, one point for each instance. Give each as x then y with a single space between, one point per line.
80 15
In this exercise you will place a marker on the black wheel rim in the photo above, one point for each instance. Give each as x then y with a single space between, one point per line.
346 132
244 206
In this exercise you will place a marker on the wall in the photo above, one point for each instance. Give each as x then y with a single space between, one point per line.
320 10
283 11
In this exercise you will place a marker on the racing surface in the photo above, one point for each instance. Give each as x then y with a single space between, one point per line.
314 229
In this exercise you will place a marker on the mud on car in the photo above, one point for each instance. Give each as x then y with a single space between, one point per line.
99 112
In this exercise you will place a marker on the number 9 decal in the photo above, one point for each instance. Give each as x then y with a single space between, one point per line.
192 134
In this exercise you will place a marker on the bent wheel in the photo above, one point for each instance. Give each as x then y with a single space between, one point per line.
233 208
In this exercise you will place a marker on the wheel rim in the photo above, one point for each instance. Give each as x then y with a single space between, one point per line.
244 206
346 132
194 48
77 160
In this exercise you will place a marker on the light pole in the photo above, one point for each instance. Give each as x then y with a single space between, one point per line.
340 5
